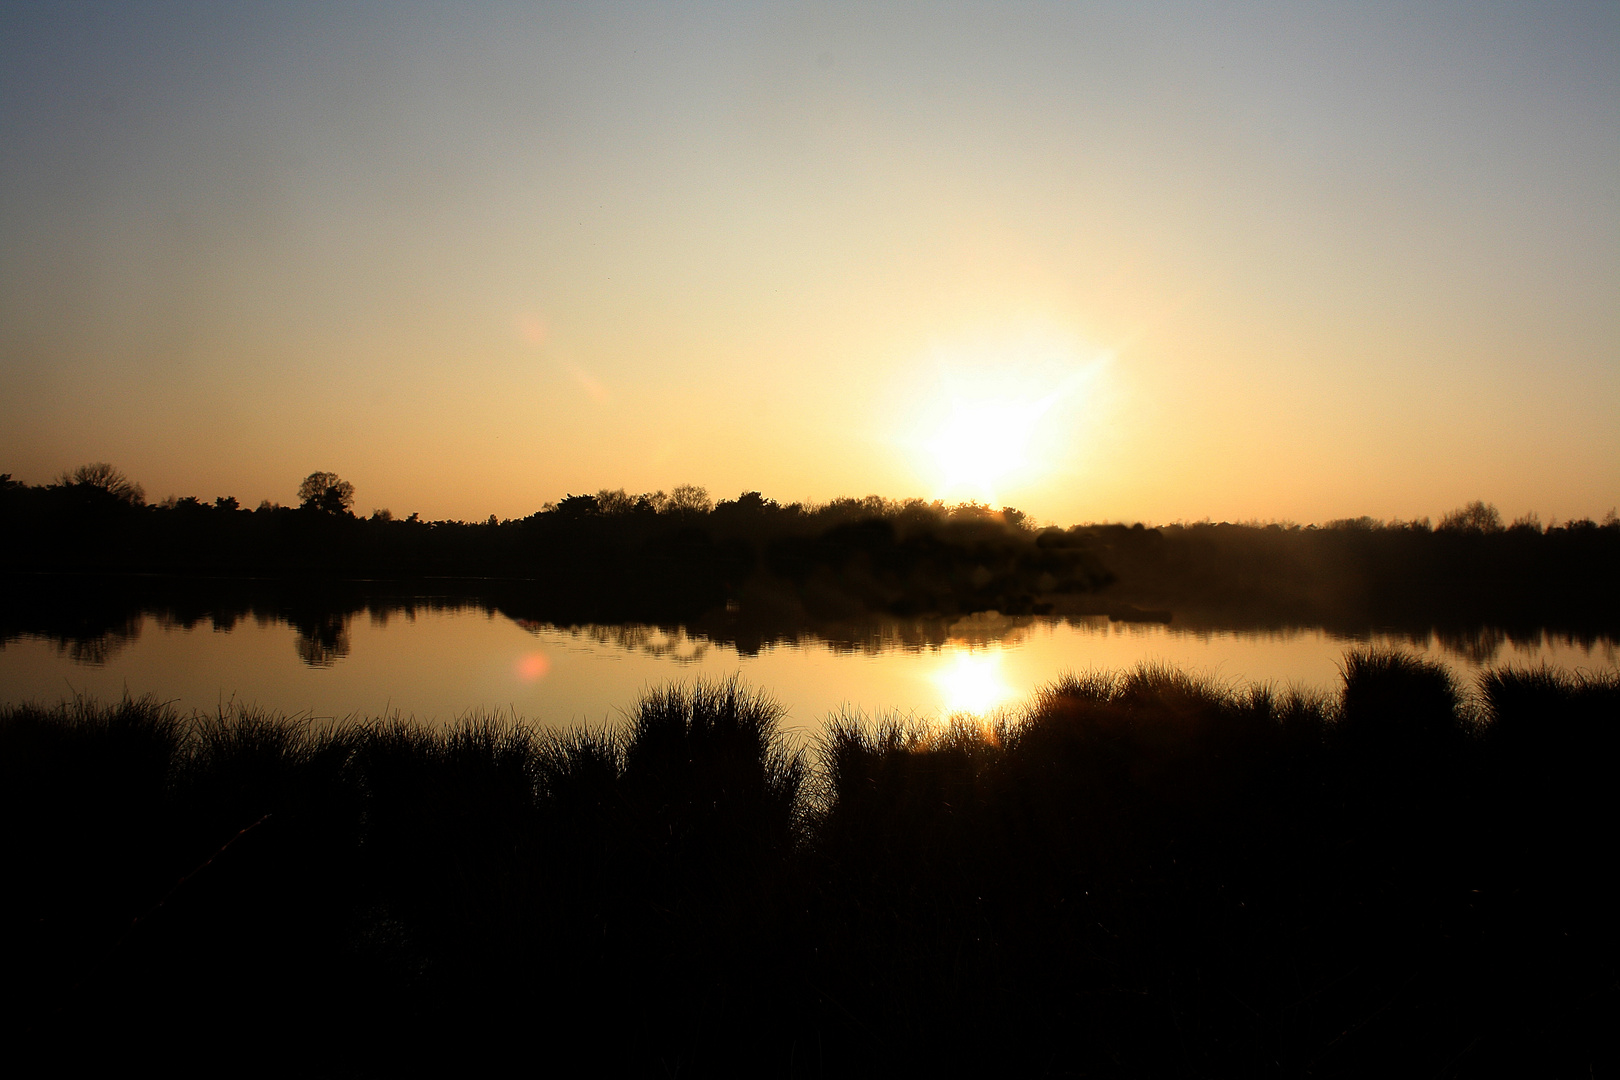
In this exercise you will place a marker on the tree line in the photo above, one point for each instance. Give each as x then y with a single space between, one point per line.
614 556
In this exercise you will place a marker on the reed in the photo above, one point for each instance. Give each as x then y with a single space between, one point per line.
1141 872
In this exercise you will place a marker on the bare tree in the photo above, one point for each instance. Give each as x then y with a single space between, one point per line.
1477 516
687 499
104 477
323 491
615 502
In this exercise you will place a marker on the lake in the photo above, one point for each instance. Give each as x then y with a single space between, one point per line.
438 659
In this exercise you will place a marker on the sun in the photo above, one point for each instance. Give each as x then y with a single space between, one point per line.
980 445
993 417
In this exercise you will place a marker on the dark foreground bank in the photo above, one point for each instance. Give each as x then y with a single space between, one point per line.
1144 875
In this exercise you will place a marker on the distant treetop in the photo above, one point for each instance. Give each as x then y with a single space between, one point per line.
104 477
1477 516
325 492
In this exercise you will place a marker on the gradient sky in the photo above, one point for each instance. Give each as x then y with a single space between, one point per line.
1098 261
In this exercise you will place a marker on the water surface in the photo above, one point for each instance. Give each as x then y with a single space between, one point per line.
438 660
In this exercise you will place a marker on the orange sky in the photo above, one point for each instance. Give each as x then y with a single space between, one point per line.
1098 262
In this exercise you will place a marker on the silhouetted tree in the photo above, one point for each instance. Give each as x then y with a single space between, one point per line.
615 502
753 502
688 499
1477 516
104 477
323 491
578 506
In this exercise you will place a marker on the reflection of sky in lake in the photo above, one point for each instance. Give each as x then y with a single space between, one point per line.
441 664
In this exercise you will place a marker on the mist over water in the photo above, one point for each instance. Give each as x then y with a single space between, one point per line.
439 659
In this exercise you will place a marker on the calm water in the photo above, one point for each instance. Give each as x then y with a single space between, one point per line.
439 664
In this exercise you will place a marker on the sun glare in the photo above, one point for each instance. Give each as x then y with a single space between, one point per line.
999 418
971 682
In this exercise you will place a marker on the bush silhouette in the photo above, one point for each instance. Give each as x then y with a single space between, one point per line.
709 770
1397 701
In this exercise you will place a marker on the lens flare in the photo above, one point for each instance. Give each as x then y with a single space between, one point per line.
535 331
532 667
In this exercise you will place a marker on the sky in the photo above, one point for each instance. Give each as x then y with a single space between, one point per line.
1150 262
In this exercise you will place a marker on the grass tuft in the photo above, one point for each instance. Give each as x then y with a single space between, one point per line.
1145 872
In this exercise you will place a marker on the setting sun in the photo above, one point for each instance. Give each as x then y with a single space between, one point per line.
980 444
1000 416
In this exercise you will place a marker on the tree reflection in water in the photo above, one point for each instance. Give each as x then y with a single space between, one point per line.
324 640
93 622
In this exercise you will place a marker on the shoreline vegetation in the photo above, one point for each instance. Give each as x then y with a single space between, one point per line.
1138 874
750 571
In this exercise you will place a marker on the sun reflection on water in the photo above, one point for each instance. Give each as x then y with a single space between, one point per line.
971 681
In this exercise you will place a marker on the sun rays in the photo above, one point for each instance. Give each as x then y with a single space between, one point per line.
993 417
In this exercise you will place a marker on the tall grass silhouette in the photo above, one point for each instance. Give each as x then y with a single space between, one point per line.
1141 872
